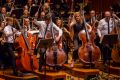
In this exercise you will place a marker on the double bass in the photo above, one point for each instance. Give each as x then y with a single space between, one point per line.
55 55
88 53
26 60
116 47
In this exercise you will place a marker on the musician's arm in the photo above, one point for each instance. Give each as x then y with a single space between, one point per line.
58 29
37 23
89 27
99 28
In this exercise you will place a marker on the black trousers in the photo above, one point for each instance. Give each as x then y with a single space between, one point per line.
42 58
3 57
77 44
9 51
106 53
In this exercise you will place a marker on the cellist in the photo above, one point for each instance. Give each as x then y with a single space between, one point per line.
44 27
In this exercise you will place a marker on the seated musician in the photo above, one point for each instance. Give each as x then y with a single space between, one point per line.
10 32
44 28
26 25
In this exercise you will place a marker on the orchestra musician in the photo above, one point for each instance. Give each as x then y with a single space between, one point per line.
105 27
92 18
44 27
2 56
59 23
25 14
26 24
10 32
3 14
77 25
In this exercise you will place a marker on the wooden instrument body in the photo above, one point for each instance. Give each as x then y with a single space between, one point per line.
88 52
116 48
55 55
26 60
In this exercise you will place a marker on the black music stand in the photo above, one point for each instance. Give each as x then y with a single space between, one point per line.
44 43
109 39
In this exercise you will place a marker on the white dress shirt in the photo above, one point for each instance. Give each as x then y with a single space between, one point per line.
103 26
9 36
50 26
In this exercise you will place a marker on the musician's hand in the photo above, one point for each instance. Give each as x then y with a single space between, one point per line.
114 15
36 14
57 39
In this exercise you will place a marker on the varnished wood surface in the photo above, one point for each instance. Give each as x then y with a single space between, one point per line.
7 75
80 72
52 75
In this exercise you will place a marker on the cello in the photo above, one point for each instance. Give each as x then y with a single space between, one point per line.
88 53
26 60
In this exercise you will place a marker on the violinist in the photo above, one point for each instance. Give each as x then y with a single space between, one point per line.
3 14
10 32
26 24
29 4
25 14
77 25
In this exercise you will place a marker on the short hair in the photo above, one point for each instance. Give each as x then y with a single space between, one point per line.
9 19
48 17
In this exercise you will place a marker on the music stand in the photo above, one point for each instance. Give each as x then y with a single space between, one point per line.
33 10
44 43
109 39
17 13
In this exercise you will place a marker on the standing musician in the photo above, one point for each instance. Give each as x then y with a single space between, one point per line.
105 27
59 23
44 27
10 32
77 25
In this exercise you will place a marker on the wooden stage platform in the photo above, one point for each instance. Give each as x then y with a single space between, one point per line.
77 71
67 73
7 75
